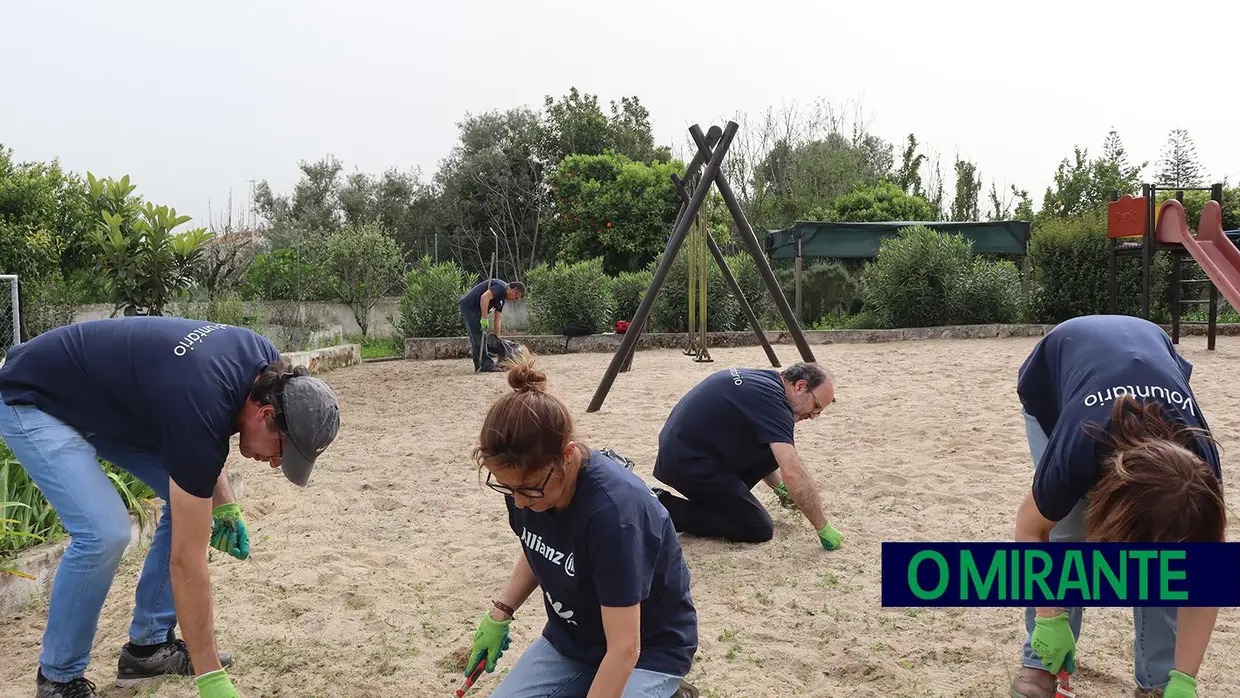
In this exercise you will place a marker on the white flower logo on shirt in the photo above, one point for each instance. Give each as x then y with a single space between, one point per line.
557 607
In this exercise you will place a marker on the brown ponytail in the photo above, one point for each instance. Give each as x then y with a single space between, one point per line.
528 428
1154 487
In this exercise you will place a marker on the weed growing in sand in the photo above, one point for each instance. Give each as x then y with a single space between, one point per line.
730 636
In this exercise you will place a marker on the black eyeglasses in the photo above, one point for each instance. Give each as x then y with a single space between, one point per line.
531 492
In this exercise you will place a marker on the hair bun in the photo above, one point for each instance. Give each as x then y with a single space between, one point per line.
523 376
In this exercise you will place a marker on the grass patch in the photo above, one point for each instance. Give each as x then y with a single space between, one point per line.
28 519
378 347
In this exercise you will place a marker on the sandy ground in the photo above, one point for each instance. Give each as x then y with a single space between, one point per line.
369 582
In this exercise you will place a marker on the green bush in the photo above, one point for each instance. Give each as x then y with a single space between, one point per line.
670 312
1069 268
989 291
750 281
923 278
628 290
827 289
579 294
430 306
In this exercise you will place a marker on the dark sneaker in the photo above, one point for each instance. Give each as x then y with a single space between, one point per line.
171 659
77 688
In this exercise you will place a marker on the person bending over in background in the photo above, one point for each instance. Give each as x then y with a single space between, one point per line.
160 398
731 430
1121 453
620 619
476 306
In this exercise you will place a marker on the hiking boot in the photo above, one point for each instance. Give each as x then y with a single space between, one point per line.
1033 683
77 688
170 659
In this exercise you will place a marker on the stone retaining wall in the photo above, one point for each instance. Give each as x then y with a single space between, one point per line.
423 348
329 358
41 561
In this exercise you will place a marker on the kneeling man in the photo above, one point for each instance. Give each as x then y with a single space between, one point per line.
730 431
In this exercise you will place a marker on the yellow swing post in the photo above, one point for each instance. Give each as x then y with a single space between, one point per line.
700 251
691 260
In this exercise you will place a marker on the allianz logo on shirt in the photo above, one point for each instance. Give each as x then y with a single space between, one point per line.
534 542
1155 392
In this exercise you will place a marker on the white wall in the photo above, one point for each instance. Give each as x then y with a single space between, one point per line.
338 317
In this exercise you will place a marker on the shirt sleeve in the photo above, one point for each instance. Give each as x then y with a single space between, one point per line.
621 561
499 294
194 437
192 453
771 416
1067 471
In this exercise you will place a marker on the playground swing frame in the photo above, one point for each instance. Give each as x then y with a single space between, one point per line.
712 147
1120 234
699 279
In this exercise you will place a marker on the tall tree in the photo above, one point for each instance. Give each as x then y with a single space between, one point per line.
909 174
1001 208
1112 171
968 189
1179 166
576 125
493 182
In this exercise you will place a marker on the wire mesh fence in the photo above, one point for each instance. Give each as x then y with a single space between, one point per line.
10 314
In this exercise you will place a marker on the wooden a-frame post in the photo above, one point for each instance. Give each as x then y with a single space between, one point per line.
712 175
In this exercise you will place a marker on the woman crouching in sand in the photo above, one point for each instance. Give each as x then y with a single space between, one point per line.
620 620
1121 454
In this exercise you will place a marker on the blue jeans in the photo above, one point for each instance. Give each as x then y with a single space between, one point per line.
62 462
1154 636
542 672
477 344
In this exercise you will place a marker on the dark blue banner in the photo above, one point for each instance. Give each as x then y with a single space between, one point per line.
1061 574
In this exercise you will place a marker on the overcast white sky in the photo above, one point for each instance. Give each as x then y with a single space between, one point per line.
192 100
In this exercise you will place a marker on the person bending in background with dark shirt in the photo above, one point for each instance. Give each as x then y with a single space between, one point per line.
620 619
731 430
1121 453
476 306
160 398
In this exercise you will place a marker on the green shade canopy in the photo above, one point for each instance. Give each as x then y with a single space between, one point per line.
861 240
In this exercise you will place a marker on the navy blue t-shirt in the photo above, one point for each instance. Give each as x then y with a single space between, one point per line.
613 545
1070 382
499 294
725 423
170 386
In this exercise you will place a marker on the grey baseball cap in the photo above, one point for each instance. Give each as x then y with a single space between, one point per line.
313 418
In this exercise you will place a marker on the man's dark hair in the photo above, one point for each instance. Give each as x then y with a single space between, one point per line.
269 388
518 287
813 374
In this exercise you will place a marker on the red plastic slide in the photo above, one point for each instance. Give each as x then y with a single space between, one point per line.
1216 254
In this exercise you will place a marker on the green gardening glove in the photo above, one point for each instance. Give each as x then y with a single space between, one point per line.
216 684
1054 643
490 640
785 499
1182 686
229 533
829 537
484 324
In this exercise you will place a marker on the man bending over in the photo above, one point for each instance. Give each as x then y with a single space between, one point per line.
730 431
